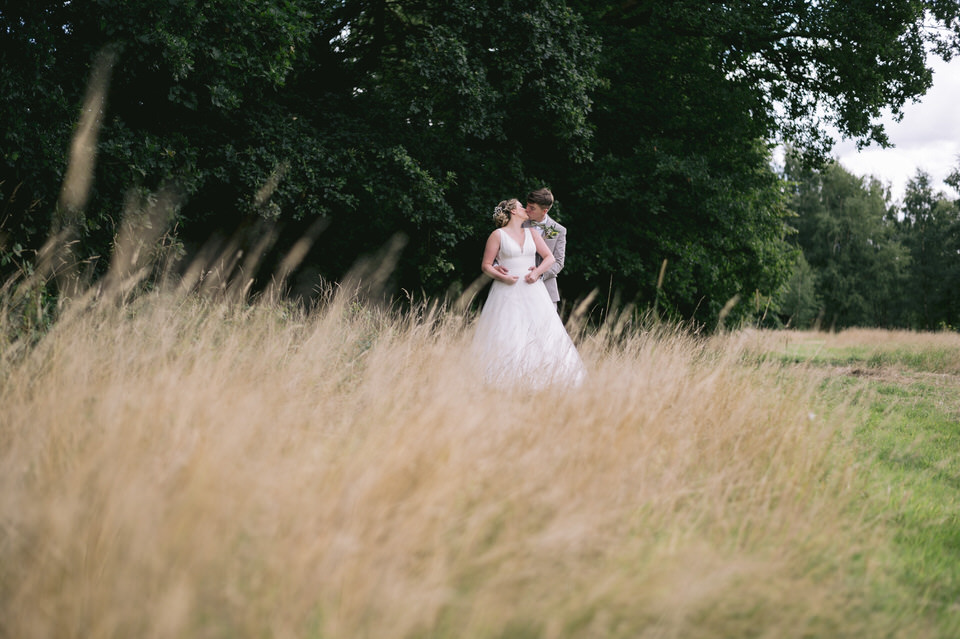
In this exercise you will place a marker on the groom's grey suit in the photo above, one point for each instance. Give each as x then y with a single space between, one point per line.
555 237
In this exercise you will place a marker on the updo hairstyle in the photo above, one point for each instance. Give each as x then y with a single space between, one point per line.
501 214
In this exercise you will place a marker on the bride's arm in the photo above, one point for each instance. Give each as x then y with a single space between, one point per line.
545 255
490 252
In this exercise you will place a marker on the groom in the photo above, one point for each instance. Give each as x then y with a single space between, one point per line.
555 236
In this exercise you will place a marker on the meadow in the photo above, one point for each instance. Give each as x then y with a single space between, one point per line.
183 460
172 465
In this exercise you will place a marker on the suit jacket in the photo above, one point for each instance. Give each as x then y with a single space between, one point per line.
555 237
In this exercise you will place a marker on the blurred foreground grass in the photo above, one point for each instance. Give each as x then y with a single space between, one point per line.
176 467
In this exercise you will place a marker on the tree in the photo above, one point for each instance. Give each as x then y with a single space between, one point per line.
692 93
800 304
652 121
380 118
930 229
186 82
846 230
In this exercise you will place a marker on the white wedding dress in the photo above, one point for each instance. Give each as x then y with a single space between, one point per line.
519 336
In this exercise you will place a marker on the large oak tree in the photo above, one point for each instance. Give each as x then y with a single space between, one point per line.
651 120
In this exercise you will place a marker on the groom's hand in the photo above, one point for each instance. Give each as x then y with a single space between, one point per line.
500 269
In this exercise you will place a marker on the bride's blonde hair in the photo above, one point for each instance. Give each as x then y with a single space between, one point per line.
501 214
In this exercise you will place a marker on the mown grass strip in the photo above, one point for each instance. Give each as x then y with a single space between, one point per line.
909 444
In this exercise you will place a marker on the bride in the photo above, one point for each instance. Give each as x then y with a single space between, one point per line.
519 335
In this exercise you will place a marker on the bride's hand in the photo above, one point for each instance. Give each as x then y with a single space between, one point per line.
531 277
510 279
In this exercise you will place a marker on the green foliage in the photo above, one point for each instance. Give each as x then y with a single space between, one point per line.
652 123
847 232
691 92
873 263
388 118
800 304
27 311
930 229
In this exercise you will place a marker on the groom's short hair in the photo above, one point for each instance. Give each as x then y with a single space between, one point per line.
543 197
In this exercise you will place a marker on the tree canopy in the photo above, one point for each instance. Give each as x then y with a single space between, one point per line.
651 121
866 261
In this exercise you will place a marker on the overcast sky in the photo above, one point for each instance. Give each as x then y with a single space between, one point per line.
928 137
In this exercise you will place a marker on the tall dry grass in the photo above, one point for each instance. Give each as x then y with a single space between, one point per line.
174 467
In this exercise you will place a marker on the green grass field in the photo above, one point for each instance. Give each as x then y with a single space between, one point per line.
908 446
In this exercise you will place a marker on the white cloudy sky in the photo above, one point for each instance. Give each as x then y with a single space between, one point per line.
928 137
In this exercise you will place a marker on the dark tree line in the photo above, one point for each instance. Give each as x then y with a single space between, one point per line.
868 262
652 121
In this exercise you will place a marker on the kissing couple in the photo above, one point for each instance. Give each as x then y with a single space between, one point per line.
519 334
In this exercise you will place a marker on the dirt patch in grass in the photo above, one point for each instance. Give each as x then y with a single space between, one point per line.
897 375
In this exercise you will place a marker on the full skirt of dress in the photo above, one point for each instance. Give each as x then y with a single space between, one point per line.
519 336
